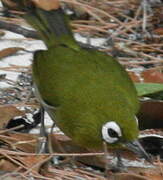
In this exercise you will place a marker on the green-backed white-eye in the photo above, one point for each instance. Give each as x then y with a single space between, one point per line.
87 93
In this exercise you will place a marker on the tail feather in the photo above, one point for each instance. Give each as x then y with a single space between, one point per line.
39 22
52 27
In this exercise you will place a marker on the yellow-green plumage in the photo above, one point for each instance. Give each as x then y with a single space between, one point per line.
87 88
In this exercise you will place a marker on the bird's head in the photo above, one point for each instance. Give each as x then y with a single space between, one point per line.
114 132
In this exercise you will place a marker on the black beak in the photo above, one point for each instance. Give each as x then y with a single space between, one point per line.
137 148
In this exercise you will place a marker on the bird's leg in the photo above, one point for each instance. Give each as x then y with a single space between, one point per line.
59 146
70 160
119 167
55 159
43 139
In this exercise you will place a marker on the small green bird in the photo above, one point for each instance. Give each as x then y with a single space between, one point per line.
87 93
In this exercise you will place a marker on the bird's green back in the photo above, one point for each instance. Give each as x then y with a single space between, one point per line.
87 88
82 83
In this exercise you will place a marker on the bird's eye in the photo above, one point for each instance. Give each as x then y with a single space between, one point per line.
111 132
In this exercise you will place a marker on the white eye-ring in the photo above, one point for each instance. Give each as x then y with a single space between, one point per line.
111 132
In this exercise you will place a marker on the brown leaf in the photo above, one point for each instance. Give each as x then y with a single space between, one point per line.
7 165
152 76
148 76
128 176
150 115
9 3
155 177
24 142
9 51
30 161
135 77
47 4
158 31
8 112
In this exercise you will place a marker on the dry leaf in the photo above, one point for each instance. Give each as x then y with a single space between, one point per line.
8 112
159 31
31 161
152 76
148 76
150 115
7 165
47 4
155 177
9 3
9 51
135 77
24 142
128 176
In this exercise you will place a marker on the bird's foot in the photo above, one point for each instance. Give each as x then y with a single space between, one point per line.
120 166
68 161
115 168
119 169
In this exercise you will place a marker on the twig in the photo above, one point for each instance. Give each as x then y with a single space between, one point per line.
11 129
37 164
14 161
18 29
53 154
